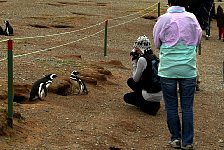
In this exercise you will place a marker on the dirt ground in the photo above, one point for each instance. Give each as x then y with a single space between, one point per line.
57 36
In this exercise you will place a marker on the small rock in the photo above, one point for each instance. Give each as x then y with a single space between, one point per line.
220 141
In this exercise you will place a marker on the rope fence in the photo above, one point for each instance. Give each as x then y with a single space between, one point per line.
136 12
131 19
98 24
11 56
16 56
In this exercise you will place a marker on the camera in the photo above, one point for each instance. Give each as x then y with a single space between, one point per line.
134 54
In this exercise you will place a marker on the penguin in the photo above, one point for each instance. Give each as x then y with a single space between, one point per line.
8 29
39 88
81 85
1 31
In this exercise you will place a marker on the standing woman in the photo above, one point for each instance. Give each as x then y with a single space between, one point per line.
220 22
177 34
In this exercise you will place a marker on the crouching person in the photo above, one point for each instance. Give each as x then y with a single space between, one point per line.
144 82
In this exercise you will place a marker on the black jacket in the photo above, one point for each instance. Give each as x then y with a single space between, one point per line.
146 80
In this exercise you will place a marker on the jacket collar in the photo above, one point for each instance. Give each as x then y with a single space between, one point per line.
175 9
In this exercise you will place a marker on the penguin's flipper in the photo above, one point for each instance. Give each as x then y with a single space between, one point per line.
48 83
45 90
33 93
42 92
11 33
83 89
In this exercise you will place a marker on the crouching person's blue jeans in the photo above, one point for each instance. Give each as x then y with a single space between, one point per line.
170 95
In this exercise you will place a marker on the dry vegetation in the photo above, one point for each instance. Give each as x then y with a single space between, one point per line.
99 120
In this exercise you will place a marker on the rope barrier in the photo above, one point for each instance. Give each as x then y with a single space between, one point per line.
4 40
51 35
22 38
131 20
3 59
133 13
59 33
16 56
78 39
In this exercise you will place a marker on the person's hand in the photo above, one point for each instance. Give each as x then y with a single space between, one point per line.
135 57
135 53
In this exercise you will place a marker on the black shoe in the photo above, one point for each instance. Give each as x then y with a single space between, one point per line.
150 108
187 147
132 102
128 98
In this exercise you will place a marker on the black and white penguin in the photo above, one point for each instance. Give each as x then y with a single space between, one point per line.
78 81
1 31
8 29
39 88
